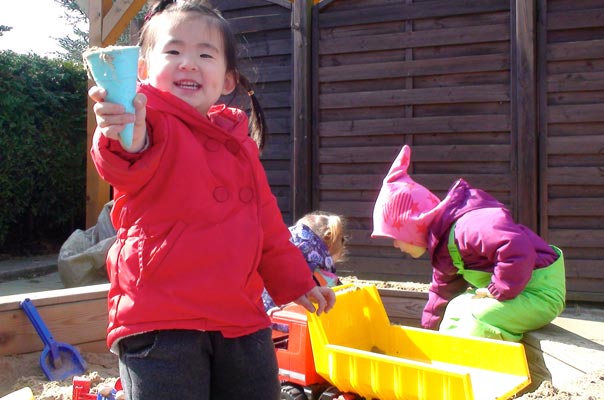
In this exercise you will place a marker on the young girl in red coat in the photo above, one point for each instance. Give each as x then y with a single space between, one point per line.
199 233
516 280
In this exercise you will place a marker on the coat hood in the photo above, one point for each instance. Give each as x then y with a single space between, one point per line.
404 208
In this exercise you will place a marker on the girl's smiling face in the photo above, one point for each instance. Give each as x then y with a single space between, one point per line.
188 60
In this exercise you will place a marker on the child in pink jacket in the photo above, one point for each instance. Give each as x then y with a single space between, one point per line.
491 277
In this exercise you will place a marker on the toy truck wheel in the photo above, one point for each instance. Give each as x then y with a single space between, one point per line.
333 393
292 392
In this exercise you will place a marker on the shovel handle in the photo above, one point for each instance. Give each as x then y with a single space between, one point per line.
36 320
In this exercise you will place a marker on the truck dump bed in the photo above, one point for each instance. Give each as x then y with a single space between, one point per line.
357 349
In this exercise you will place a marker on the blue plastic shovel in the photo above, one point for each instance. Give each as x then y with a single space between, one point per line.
58 360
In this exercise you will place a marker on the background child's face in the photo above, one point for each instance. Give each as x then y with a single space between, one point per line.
411 249
188 60
337 249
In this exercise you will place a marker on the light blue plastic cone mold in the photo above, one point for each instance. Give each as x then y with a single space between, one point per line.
114 68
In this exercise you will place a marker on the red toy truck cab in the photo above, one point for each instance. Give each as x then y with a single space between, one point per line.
299 378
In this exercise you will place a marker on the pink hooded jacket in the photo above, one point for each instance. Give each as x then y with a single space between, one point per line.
404 208
485 233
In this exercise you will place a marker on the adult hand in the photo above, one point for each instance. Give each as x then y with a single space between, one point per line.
324 297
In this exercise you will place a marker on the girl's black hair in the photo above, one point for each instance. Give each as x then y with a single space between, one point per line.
258 128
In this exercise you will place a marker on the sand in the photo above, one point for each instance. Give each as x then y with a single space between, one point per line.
24 371
21 371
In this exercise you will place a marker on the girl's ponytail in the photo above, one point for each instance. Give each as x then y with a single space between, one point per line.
258 128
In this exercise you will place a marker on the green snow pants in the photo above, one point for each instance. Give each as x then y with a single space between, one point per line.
538 304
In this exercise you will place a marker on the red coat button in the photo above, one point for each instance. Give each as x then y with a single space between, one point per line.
221 194
246 194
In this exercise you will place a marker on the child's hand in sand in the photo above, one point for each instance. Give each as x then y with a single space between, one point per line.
111 118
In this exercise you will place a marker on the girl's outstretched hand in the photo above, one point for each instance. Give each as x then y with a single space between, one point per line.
323 296
111 118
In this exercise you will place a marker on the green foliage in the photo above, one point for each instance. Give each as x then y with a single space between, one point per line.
72 48
4 28
42 148
73 45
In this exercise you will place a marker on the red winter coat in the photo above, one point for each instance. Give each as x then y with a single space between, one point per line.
199 233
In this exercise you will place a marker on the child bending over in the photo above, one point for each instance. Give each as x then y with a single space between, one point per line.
517 279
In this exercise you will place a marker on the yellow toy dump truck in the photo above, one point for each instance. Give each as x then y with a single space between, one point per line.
357 352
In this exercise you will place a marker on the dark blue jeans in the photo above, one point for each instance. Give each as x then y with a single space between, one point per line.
194 365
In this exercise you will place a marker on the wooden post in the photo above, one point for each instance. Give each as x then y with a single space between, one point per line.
314 104
524 134
107 22
301 94
542 125
97 190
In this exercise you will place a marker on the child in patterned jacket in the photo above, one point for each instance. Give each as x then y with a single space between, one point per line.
321 237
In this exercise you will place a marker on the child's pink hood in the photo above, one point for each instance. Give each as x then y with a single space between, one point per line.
403 209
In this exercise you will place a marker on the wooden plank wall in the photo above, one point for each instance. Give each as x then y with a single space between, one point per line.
571 121
507 94
432 74
263 28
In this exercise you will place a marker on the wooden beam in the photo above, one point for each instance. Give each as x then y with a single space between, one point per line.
97 190
301 153
118 18
107 22
524 109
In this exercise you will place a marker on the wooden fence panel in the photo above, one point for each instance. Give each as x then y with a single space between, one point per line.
506 94
266 58
571 92
432 74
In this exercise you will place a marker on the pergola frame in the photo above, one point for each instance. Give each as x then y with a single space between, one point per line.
108 20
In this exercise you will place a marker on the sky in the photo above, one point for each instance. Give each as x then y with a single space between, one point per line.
35 23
